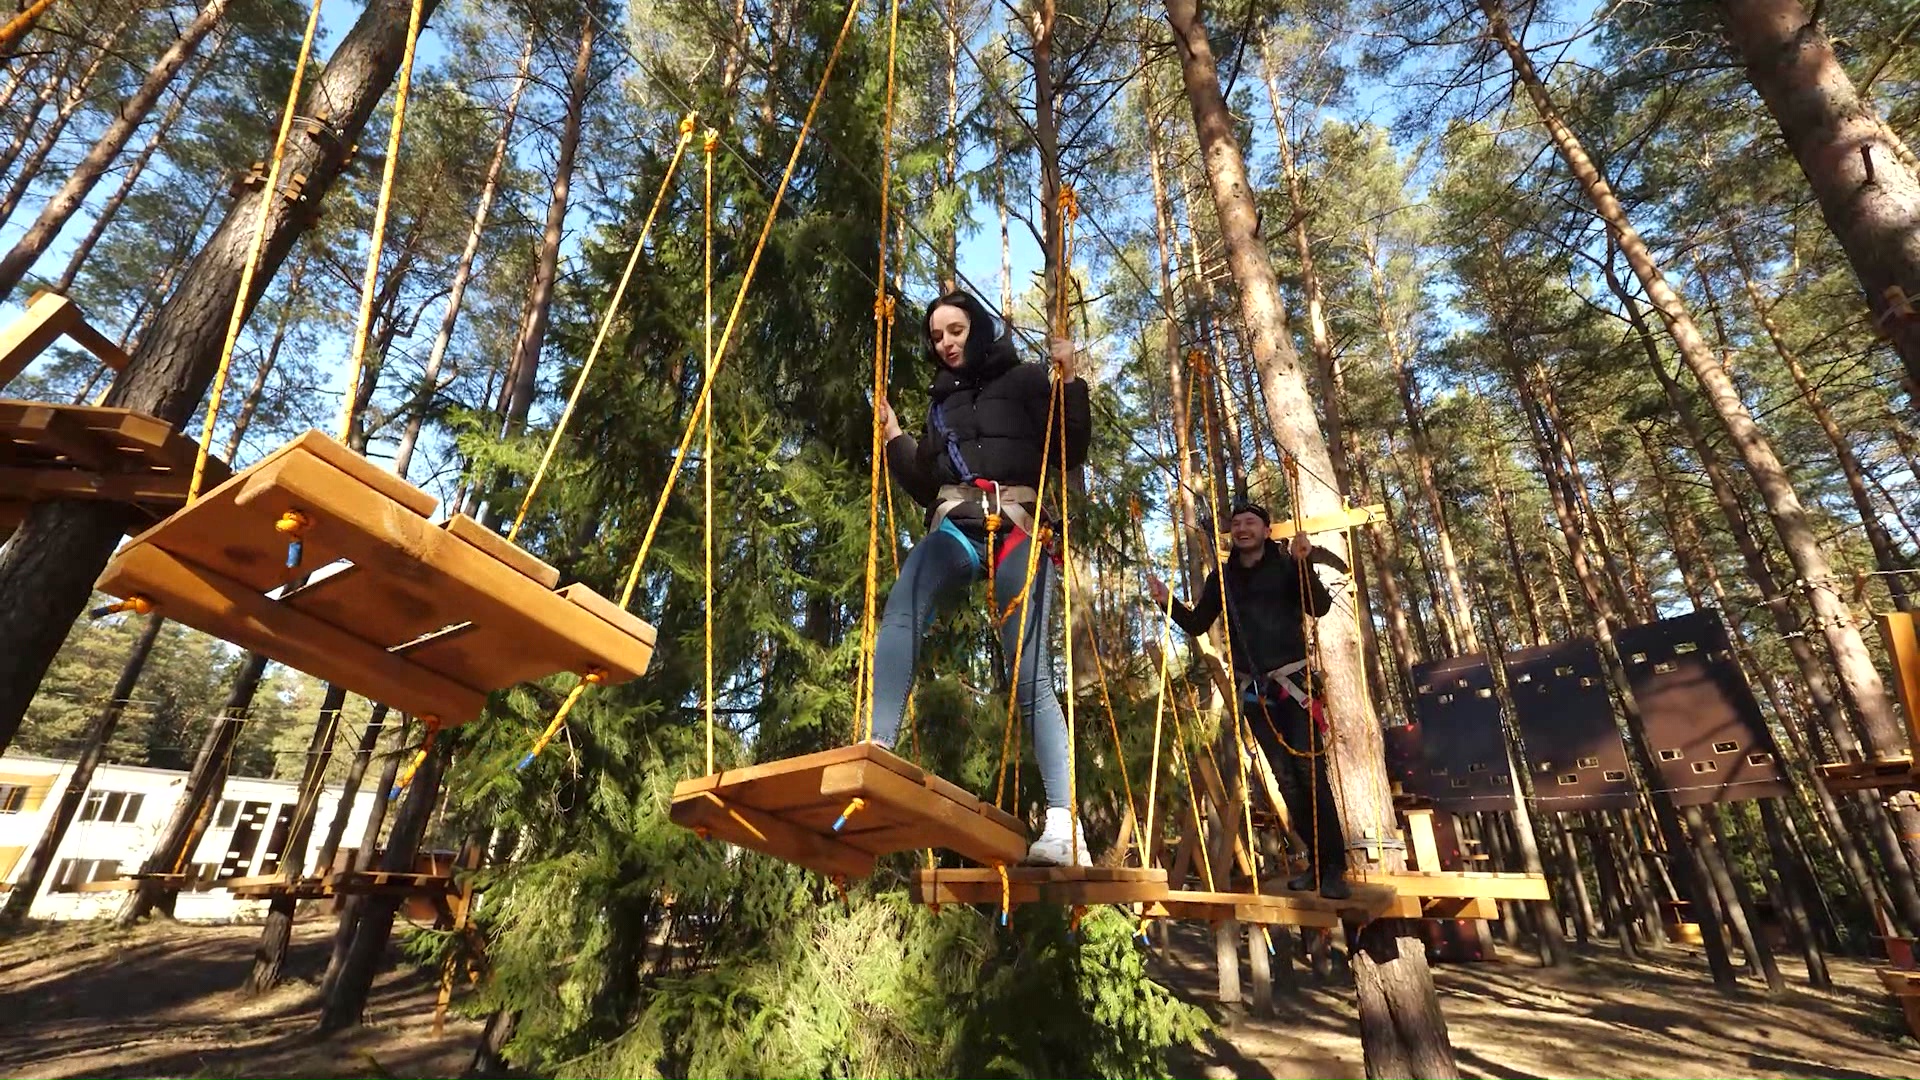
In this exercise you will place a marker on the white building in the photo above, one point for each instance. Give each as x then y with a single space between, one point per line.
121 818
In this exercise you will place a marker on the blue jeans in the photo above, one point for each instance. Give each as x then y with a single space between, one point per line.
938 574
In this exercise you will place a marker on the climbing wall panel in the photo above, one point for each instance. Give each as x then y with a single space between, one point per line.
1572 748
1707 737
1463 747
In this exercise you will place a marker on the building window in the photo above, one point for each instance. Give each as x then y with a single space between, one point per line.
13 797
229 813
113 807
71 872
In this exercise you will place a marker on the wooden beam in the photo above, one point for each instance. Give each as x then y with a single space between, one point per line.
27 484
1349 518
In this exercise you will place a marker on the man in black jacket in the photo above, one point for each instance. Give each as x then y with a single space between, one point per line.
1268 591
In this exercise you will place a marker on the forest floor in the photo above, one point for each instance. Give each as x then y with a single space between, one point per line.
1598 1016
161 1000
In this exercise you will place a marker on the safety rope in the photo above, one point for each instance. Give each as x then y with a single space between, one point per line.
733 316
882 342
252 264
363 325
707 144
607 318
1160 693
405 779
592 677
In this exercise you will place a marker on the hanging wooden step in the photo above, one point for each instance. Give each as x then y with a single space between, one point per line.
1463 884
787 809
425 618
50 316
1292 909
1891 773
1072 886
83 452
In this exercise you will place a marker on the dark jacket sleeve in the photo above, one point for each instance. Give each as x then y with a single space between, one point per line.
903 458
1314 597
1079 422
1196 620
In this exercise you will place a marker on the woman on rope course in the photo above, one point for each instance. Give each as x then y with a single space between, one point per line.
1268 588
977 469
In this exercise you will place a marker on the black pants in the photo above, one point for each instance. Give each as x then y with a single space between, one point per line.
1275 717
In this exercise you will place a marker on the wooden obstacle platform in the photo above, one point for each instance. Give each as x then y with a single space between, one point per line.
1881 773
425 618
50 317
1905 988
1071 886
52 452
787 809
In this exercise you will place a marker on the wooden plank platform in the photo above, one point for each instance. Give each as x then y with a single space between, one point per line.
274 887
427 619
1905 987
1075 886
1883 773
1292 909
85 452
364 882
787 809
114 885
49 316
1463 885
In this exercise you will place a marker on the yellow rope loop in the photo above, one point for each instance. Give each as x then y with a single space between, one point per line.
708 140
1006 893
593 677
1069 204
606 325
687 124
363 327
405 779
733 316
136 603
251 267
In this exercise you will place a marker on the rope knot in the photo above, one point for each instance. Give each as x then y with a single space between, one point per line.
294 525
135 603
853 808
709 140
1069 203
686 125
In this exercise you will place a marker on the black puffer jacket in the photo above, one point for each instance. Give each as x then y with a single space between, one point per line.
1265 602
989 418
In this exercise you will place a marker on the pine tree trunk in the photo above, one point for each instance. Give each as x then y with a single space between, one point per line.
79 183
350 790
1536 620
525 370
1382 542
274 938
48 569
33 871
362 860
373 928
23 134
1422 642
1402 1030
1793 894
1622 534
1859 681
1684 859
110 209
76 96
422 403
1885 554
1000 207
1466 639
949 268
173 853
1868 191
1574 481
1163 234
1813 671
1735 902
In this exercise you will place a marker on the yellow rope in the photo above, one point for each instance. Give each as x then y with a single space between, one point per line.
363 326
252 264
882 327
606 322
708 142
1160 694
733 316
405 779
593 677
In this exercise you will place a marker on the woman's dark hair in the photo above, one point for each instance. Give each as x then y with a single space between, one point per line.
989 345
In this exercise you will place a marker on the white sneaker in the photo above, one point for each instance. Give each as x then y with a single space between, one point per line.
1056 845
